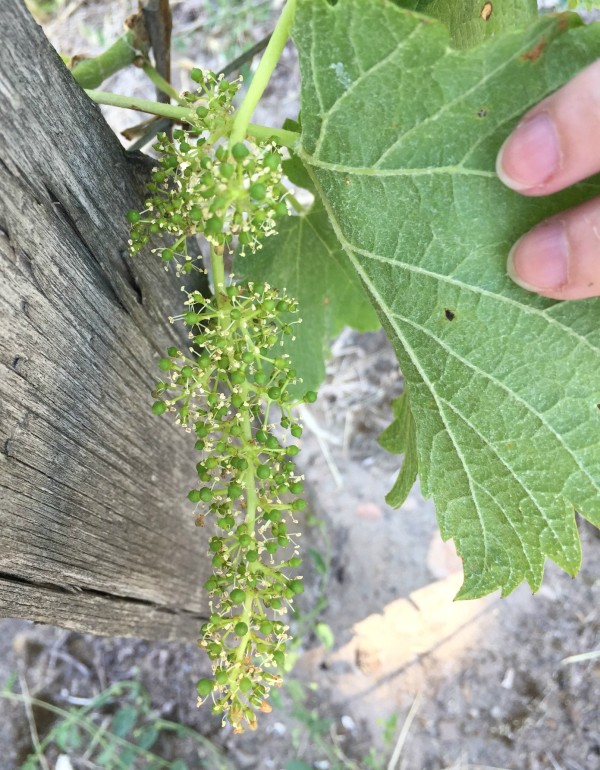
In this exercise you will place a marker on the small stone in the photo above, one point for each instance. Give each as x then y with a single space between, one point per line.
369 511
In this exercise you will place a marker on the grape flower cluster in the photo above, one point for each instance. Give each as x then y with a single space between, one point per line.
202 186
230 388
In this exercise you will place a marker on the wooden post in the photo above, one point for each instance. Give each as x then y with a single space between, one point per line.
95 530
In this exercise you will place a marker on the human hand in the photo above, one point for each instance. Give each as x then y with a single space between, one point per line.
555 145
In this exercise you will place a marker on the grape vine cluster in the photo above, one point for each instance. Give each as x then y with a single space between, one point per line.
227 389
204 187
230 387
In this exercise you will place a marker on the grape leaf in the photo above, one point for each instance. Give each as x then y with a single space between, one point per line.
401 438
504 385
471 21
305 257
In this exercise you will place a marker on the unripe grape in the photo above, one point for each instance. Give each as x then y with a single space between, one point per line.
261 436
266 627
194 496
221 676
133 216
159 407
241 628
272 160
191 318
205 687
211 584
257 191
237 596
213 226
234 491
240 151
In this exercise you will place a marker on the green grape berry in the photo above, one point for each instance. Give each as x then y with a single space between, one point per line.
240 151
133 216
234 491
241 628
221 676
237 596
257 191
205 687
206 495
159 407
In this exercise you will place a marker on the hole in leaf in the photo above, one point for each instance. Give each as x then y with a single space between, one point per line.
486 11
450 315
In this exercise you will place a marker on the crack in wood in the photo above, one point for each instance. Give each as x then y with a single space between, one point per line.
70 589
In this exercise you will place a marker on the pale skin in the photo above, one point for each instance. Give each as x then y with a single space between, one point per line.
555 145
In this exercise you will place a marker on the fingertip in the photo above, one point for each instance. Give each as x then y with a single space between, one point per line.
530 157
539 261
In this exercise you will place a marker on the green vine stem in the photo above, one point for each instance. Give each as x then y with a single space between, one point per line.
91 72
218 271
263 73
162 84
187 115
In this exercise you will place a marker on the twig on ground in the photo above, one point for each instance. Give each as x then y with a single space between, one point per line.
31 720
395 758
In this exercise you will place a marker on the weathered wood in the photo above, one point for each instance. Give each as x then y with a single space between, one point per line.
95 533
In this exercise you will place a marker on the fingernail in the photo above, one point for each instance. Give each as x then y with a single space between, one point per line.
540 259
530 155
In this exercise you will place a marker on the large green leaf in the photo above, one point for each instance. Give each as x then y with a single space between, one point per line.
504 385
306 258
471 21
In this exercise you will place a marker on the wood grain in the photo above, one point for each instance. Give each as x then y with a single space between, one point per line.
95 530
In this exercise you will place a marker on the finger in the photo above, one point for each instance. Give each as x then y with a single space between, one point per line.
560 258
556 144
